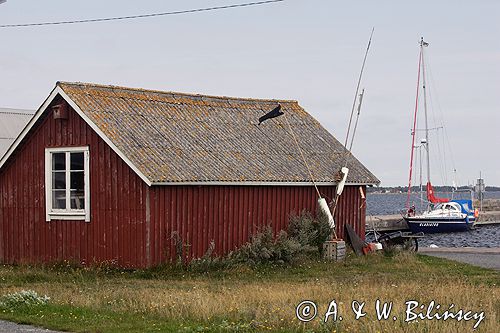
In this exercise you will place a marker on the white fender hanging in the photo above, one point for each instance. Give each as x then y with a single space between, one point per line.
340 186
324 207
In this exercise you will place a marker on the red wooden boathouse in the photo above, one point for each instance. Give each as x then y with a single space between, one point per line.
111 174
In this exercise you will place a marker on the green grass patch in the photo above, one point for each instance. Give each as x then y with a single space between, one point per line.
81 319
259 298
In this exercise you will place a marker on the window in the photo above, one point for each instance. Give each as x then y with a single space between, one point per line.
67 183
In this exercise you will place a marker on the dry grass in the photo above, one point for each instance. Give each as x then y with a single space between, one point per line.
268 300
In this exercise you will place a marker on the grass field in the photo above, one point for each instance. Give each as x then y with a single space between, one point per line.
258 299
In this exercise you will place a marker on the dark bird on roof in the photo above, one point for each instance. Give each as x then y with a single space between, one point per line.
276 112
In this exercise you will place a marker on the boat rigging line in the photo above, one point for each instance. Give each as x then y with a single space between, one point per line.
430 129
344 170
321 201
276 112
302 155
414 126
357 118
424 44
357 87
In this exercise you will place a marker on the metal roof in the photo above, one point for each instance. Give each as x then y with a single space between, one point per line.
172 137
12 122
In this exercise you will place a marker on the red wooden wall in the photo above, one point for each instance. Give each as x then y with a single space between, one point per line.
132 224
116 231
229 215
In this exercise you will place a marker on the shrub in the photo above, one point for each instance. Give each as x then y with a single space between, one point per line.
260 249
264 248
208 261
310 231
23 298
304 239
288 249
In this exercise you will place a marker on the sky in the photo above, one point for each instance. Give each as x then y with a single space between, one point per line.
310 51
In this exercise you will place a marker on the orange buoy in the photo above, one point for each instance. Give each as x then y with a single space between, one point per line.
476 213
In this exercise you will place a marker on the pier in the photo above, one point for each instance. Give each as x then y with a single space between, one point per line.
383 223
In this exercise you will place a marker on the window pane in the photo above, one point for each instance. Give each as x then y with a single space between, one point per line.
76 180
77 199
59 199
77 190
58 180
58 161
76 161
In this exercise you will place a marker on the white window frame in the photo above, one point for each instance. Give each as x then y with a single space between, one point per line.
68 213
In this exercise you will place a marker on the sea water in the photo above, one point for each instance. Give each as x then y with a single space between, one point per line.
394 203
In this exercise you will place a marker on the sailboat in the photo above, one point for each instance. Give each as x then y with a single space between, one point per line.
442 214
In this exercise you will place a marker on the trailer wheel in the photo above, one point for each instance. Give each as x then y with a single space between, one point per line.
411 244
401 244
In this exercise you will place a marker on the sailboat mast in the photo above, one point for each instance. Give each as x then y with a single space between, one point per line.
430 192
422 45
413 131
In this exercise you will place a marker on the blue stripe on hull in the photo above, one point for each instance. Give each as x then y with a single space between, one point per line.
436 226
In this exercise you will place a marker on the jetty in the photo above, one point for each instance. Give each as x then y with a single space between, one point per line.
490 214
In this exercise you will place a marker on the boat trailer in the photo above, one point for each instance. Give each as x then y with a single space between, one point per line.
400 240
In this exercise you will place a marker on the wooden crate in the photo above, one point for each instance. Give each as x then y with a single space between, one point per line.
334 250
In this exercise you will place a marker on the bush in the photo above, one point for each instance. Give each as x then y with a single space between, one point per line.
208 261
310 231
264 248
23 298
304 239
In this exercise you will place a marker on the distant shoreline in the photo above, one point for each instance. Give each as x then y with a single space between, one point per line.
404 189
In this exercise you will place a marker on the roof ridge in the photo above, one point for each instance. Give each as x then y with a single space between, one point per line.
16 111
95 85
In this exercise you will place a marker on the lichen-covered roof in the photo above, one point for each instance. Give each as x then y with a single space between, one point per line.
173 137
12 122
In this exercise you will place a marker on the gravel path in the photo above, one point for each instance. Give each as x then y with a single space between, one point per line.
482 257
8 327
